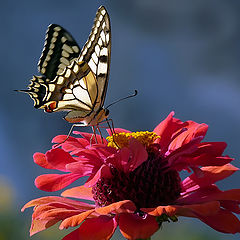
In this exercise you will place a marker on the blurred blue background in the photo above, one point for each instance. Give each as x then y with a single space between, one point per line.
179 56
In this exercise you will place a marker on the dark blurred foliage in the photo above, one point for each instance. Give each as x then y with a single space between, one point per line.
181 56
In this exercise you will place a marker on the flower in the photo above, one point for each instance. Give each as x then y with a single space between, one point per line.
134 183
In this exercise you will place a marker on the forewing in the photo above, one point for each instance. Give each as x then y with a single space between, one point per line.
97 51
59 49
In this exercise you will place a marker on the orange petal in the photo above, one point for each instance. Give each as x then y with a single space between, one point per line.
99 228
158 211
39 201
75 220
40 225
50 200
209 208
125 206
133 226
79 192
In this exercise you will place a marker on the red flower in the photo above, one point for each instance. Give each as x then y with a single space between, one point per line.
134 183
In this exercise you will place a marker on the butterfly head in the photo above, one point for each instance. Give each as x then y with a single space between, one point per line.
106 113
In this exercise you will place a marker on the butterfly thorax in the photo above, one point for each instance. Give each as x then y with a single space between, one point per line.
93 119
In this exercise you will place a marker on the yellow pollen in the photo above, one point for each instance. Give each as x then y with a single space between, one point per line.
120 140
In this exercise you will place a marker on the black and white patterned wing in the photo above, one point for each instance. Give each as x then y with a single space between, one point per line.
59 49
97 51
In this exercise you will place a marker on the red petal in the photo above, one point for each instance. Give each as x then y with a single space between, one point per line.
166 129
99 228
80 168
120 159
228 199
91 138
213 148
177 158
203 209
209 154
79 192
193 130
129 158
232 206
104 152
233 194
90 155
224 221
104 172
138 153
209 176
117 130
40 159
209 160
71 143
55 182
58 158
134 227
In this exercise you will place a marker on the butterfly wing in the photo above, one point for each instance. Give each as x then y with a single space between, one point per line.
97 54
59 49
97 51
80 86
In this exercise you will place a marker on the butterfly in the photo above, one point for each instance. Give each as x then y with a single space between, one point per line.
71 79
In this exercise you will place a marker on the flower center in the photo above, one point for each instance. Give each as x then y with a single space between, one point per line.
120 140
152 184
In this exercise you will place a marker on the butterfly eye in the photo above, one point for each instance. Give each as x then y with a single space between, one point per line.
106 112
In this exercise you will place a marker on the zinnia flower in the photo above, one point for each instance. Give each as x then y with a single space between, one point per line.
134 183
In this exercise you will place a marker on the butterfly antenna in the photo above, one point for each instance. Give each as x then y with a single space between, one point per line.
119 100
24 91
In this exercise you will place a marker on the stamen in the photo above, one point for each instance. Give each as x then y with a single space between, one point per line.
120 140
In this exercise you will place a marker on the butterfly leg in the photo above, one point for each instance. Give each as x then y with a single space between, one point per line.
69 133
100 133
94 135
111 129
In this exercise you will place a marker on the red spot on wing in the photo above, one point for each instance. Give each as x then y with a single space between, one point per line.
50 107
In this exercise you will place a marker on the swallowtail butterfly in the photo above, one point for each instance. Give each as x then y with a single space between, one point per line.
74 80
